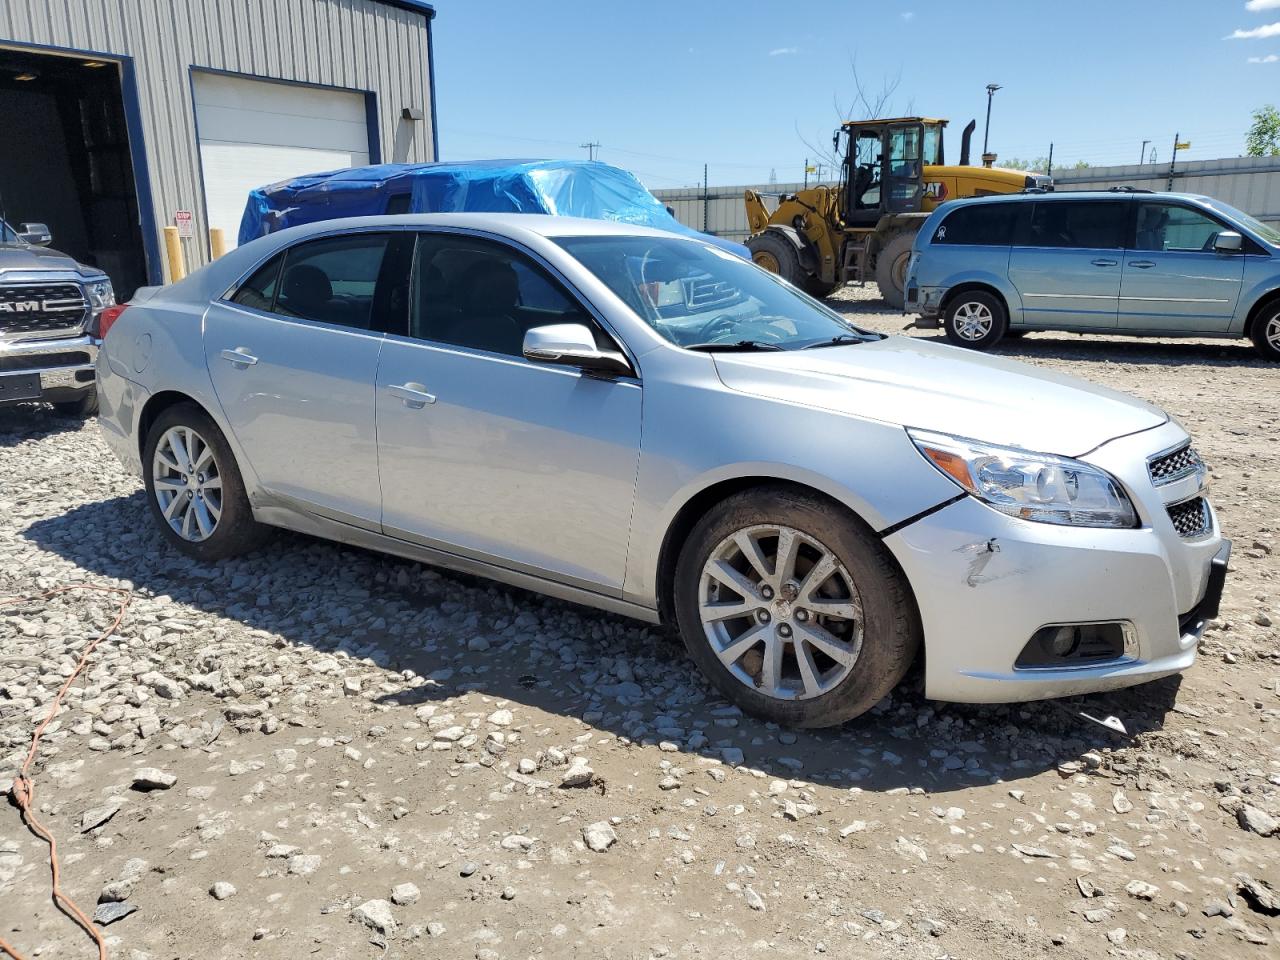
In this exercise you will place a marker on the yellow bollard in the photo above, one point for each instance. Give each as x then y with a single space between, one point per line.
173 254
217 242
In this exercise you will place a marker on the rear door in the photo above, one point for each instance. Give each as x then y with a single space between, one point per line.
1173 278
1066 263
293 354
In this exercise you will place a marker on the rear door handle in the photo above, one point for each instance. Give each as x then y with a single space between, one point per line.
1141 264
414 395
1104 263
240 356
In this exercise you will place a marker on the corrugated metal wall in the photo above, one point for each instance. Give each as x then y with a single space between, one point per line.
359 44
1250 183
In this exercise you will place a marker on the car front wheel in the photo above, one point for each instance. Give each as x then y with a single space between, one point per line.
793 610
975 319
194 486
1266 333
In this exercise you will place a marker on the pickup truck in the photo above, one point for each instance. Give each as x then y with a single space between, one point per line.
49 310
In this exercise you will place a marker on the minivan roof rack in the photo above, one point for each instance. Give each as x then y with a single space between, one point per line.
1034 190
1128 189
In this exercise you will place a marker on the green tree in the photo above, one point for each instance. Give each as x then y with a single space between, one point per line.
1015 163
1263 139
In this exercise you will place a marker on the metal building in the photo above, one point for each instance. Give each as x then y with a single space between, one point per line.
121 117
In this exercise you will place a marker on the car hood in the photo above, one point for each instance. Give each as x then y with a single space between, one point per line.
947 389
27 259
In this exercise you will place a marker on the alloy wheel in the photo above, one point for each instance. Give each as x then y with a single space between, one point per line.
1273 332
781 612
187 484
973 320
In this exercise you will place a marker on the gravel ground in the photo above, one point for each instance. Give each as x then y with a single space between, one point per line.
321 751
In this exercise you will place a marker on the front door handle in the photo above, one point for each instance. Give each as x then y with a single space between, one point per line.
1141 264
240 356
1104 263
414 395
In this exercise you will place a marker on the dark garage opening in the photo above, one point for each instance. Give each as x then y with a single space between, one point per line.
66 161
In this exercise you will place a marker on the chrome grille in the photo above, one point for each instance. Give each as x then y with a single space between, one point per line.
1172 467
1191 518
33 308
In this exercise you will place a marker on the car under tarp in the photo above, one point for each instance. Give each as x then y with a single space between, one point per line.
567 188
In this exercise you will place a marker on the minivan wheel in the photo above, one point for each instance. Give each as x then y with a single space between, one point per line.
1266 333
975 319
194 486
794 611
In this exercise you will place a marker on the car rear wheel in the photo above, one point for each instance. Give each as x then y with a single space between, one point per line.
975 319
1266 333
793 610
194 486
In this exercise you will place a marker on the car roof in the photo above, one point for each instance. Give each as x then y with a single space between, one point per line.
511 224
1061 195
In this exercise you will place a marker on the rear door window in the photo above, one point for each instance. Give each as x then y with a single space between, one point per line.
356 280
980 223
259 291
1085 224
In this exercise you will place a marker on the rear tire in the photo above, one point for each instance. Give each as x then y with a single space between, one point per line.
182 434
1266 332
862 613
891 269
975 319
83 407
818 289
775 253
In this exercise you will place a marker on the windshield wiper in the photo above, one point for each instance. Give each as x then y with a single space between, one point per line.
835 341
741 346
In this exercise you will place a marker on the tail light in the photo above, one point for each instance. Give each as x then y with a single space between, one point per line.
107 318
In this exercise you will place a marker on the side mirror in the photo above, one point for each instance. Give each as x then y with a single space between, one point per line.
36 234
1228 241
573 345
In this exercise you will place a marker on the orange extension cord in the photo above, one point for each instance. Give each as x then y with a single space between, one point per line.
24 788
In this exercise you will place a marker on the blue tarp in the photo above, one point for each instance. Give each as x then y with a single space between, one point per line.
567 188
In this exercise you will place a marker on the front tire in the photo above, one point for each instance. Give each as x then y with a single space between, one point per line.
975 319
81 408
776 254
1266 333
891 269
194 487
792 609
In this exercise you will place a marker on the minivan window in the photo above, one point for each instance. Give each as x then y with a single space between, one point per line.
1088 224
1265 230
1168 227
981 223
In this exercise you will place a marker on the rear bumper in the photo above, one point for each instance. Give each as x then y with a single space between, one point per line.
54 369
926 302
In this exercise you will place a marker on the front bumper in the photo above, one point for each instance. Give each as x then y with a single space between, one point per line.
54 369
985 583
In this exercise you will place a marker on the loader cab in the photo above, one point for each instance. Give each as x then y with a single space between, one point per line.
884 163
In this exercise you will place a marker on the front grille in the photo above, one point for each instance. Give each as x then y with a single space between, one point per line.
33 308
1191 518
41 361
1171 467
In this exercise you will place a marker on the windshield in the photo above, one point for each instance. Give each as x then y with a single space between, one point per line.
697 295
1265 231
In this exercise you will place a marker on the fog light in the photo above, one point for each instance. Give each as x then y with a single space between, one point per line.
1077 644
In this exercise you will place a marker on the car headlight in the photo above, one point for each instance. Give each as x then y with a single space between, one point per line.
1030 486
101 295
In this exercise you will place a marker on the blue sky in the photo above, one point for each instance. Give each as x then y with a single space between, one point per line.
665 86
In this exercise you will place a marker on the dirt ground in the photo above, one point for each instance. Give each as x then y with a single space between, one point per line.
357 756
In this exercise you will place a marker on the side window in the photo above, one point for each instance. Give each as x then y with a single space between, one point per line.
982 223
259 291
1165 226
1087 224
358 280
481 294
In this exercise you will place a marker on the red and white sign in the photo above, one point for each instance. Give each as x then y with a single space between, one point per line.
183 220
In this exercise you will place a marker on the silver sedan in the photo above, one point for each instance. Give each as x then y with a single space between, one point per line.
643 423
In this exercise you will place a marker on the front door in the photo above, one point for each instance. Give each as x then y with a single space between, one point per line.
1174 280
489 455
1066 263
293 355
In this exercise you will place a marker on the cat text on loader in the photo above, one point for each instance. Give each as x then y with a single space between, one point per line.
892 176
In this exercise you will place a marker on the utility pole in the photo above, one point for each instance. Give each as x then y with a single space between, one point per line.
706 200
986 130
1049 172
806 173
1173 158
591 148
1143 153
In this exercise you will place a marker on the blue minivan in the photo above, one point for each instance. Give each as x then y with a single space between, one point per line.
1120 262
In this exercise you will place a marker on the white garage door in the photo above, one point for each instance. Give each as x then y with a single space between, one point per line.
255 132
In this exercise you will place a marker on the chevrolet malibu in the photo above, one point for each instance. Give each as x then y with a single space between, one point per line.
649 425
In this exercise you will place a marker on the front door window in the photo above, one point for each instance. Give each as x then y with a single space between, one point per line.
1165 227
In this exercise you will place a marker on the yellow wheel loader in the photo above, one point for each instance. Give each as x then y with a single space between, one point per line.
892 176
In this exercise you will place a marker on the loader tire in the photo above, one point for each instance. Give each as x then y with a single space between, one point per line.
891 268
776 254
